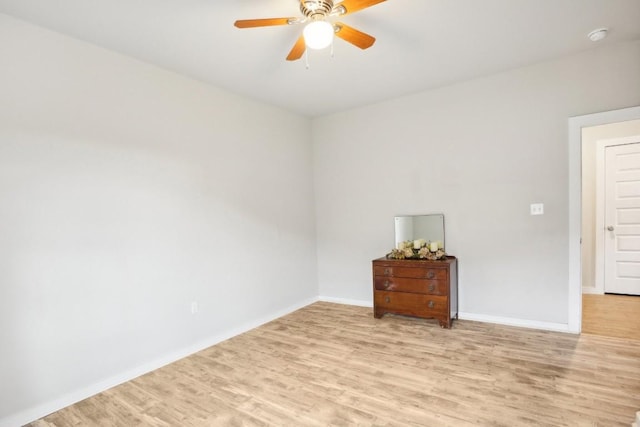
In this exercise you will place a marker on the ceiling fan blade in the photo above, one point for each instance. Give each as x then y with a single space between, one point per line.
351 6
353 36
252 23
298 50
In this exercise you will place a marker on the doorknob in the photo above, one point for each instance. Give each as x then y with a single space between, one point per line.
610 228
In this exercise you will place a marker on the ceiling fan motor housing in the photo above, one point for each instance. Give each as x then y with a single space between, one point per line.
316 9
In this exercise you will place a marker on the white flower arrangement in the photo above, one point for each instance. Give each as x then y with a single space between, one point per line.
418 249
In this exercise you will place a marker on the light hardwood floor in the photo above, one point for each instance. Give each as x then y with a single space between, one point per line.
611 315
330 364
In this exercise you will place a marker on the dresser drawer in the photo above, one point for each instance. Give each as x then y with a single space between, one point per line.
411 304
418 286
409 272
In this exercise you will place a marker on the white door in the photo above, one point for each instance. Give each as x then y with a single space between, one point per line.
622 219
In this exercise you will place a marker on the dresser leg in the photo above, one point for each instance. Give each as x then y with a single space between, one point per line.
444 324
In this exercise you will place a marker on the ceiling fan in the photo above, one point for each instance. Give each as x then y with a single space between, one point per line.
319 32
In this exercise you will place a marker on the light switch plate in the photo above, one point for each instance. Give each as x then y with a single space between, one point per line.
537 209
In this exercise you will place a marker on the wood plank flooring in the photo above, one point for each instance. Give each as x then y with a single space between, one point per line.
611 315
330 364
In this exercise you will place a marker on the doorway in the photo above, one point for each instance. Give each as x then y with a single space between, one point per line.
575 125
604 313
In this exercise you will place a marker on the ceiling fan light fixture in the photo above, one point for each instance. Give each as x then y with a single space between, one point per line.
318 34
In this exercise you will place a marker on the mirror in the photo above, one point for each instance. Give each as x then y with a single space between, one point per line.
413 227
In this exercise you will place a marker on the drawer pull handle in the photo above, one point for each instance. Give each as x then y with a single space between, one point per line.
432 287
431 275
387 299
386 284
387 271
431 304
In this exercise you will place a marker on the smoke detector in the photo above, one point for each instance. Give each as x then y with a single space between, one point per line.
599 34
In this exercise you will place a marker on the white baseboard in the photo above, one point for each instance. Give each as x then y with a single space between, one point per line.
532 324
523 323
37 412
592 290
346 301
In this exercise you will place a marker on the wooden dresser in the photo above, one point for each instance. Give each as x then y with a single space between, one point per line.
419 288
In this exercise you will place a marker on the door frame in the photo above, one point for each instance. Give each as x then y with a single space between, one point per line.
575 203
601 147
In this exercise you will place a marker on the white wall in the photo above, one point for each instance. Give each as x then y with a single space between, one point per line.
126 193
590 136
480 152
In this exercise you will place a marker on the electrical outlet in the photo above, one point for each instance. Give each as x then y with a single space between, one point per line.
537 209
194 307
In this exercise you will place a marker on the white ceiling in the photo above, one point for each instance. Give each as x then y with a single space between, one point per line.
421 44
